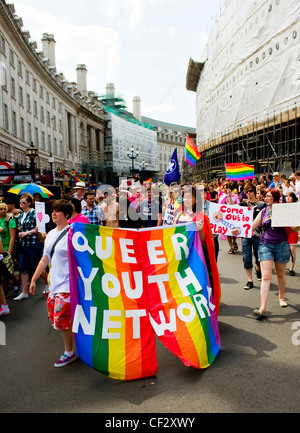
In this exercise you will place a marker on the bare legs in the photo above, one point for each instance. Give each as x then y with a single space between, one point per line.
266 268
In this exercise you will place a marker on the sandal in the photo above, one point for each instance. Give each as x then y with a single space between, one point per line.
235 246
283 303
231 251
259 313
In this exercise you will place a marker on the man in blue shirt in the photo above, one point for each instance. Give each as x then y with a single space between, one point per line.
93 212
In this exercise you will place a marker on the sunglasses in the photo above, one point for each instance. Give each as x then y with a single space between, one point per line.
250 190
22 202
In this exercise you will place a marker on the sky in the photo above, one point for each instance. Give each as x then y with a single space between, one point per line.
142 46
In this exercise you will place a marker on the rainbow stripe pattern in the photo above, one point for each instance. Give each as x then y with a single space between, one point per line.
129 286
192 154
239 171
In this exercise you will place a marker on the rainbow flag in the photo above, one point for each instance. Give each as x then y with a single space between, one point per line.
73 175
192 154
238 171
129 286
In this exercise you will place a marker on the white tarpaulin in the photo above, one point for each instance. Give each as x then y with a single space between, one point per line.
251 66
125 135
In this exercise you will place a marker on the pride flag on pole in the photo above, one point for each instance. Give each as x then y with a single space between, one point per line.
127 287
238 171
192 154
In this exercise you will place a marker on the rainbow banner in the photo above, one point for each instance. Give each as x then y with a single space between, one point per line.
129 286
192 154
73 175
238 171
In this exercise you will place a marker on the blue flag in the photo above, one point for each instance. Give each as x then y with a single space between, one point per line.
172 172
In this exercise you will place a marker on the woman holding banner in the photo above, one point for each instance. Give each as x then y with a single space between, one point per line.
191 213
273 249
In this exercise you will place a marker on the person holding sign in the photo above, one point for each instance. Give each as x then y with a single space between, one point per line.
249 244
273 249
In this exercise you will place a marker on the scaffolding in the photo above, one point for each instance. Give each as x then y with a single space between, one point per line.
270 145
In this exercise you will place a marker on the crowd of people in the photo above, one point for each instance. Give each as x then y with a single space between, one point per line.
26 254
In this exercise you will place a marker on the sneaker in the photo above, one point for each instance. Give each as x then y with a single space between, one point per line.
21 297
292 273
65 360
258 275
4 310
249 285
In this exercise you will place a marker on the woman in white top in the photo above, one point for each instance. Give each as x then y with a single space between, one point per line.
56 254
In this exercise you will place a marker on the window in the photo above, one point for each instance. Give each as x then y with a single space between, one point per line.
36 136
28 102
5 117
42 114
22 129
13 87
3 45
29 132
20 68
21 98
34 84
14 123
35 109
27 77
12 57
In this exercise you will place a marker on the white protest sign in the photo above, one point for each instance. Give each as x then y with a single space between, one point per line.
225 218
286 215
41 217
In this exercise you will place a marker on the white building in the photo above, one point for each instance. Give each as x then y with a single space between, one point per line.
38 105
247 87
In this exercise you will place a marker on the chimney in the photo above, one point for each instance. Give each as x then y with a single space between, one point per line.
82 79
110 90
49 42
137 108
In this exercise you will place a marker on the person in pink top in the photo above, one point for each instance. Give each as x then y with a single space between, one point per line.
76 216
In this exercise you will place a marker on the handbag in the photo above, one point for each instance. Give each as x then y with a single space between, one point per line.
57 240
7 264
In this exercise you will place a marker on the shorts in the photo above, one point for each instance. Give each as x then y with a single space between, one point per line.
279 253
59 311
29 257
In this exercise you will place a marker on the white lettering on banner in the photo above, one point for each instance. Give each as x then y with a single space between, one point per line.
100 252
80 319
88 283
124 243
179 241
178 246
136 316
108 324
163 326
160 279
184 282
137 292
154 254
88 328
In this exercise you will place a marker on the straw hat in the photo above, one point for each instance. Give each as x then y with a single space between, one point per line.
79 185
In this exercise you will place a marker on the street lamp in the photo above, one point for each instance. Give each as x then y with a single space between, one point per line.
51 161
32 153
132 154
143 166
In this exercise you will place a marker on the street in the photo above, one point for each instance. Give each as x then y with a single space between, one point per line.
257 370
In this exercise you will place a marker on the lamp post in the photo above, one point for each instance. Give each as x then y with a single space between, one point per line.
51 161
32 153
143 166
132 154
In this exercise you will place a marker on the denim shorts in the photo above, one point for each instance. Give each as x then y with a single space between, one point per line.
279 253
